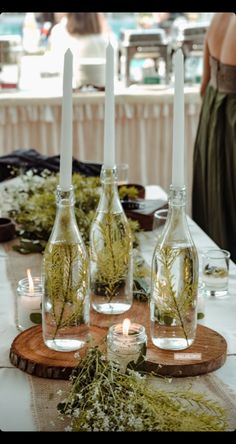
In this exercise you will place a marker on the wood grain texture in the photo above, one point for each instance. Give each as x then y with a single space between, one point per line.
209 344
29 353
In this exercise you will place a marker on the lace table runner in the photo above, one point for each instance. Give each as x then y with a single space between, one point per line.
47 393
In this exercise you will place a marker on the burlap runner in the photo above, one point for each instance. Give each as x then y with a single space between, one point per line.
46 395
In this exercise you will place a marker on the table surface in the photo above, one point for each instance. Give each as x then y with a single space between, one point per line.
15 395
136 93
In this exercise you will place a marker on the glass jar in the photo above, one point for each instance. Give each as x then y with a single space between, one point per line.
29 303
111 251
127 350
174 280
65 306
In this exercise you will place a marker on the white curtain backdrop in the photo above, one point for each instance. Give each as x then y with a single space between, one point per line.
144 121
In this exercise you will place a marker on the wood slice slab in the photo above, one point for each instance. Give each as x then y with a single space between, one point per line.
29 353
207 353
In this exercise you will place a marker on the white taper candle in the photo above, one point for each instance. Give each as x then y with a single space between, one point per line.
109 120
178 178
66 124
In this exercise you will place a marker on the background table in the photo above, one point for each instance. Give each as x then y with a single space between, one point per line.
144 121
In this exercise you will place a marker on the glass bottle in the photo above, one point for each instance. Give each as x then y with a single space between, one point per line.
65 308
111 251
174 282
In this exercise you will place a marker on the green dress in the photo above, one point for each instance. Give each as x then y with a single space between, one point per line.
214 162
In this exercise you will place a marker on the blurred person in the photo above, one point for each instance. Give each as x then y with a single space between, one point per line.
46 21
86 34
214 161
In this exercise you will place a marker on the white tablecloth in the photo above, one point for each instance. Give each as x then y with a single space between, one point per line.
15 396
144 121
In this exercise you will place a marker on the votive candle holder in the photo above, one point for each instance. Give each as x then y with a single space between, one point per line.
29 303
127 350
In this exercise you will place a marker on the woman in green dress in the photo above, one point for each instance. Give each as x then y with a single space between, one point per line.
214 163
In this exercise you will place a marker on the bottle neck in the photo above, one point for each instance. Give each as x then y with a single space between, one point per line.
177 202
177 225
109 176
65 199
177 197
65 228
110 196
65 215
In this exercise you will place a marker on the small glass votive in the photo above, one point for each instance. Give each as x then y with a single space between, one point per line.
29 303
127 345
159 220
215 271
122 173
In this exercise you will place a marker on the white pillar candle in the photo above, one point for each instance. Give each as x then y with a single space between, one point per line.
109 121
178 178
66 125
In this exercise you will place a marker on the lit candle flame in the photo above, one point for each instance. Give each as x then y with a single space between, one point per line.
125 326
31 283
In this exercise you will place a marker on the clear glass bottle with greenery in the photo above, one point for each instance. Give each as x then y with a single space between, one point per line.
111 251
65 308
174 281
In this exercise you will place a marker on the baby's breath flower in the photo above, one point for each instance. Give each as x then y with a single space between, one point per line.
103 399
68 429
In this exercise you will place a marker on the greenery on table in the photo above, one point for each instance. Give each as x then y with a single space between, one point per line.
31 204
101 398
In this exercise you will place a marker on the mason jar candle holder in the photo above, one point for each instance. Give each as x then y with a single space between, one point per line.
29 303
127 345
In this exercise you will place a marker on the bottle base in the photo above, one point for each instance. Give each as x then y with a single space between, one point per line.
172 343
216 293
64 345
111 308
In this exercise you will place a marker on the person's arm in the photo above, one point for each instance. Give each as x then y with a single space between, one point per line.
206 67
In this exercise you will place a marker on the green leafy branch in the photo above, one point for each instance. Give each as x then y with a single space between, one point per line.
101 398
62 286
175 306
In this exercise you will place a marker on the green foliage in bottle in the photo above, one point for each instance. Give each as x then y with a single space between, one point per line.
110 244
176 306
66 275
